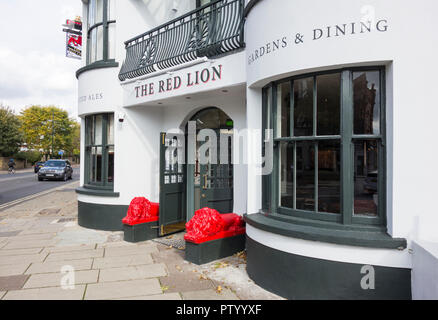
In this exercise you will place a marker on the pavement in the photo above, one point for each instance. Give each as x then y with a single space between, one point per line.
45 255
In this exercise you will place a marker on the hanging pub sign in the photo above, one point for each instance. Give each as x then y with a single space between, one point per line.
73 32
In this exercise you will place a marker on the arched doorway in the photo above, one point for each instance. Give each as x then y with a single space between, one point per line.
204 179
213 168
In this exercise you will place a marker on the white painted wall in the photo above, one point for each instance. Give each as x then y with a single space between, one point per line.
424 271
137 138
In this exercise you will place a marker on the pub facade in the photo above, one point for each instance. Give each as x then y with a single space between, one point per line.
311 119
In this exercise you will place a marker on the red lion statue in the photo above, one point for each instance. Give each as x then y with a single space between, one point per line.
208 224
139 209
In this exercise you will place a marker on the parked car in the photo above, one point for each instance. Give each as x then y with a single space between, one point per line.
56 170
38 165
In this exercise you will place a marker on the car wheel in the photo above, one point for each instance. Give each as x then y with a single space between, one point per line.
40 179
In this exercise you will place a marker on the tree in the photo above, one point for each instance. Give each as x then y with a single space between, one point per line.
47 127
10 136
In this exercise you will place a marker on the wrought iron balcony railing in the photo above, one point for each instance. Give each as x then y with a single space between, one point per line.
208 31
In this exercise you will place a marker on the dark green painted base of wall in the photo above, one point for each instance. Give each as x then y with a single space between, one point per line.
213 250
140 232
303 278
101 216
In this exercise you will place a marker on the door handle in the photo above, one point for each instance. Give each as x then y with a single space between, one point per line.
205 182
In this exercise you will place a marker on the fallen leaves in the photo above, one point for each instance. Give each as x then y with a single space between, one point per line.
219 265
203 277
164 288
219 289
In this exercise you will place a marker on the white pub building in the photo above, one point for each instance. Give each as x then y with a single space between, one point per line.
317 118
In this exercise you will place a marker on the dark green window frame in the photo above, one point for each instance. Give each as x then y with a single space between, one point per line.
90 132
105 43
270 183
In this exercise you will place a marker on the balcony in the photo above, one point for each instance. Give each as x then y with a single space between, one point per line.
208 31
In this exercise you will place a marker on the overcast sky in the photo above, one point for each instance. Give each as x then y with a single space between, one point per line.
33 66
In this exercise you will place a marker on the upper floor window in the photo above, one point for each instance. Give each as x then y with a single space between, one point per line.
329 150
101 31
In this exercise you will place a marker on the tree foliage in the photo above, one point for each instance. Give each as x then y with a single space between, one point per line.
10 135
44 126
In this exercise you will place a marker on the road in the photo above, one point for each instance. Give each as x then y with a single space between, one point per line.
20 185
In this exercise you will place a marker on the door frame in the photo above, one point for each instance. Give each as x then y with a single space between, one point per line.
190 167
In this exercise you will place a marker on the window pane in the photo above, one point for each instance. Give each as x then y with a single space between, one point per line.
268 112
366 86
111 164
92 46
329 177
328 104
99 11
98 130
91 12
283 110
286 174
303 107
98 168
99 43
112 41
305 176
88 130
110 129
366 193
111 10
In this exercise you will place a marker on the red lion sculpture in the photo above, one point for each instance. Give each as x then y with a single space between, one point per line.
141 210
209 224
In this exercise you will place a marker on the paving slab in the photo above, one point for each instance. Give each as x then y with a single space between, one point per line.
124 261
122 289
186 281
78 235
12 282
128 251
133 273
6 234
47 229
2 293
63 256
209 294
40 236
165 296
12 270
55 266
54 279
27 258
19 252
68 249
25 244
55 293
118 244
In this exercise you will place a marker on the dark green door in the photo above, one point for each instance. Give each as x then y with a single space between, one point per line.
217 187
217 179
172 184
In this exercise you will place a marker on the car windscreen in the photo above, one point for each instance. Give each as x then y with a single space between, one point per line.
54 164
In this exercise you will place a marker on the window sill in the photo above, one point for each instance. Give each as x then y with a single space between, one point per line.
366 236
97 65
97 192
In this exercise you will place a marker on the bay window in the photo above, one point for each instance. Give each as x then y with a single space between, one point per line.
99 151
329 147
101 31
